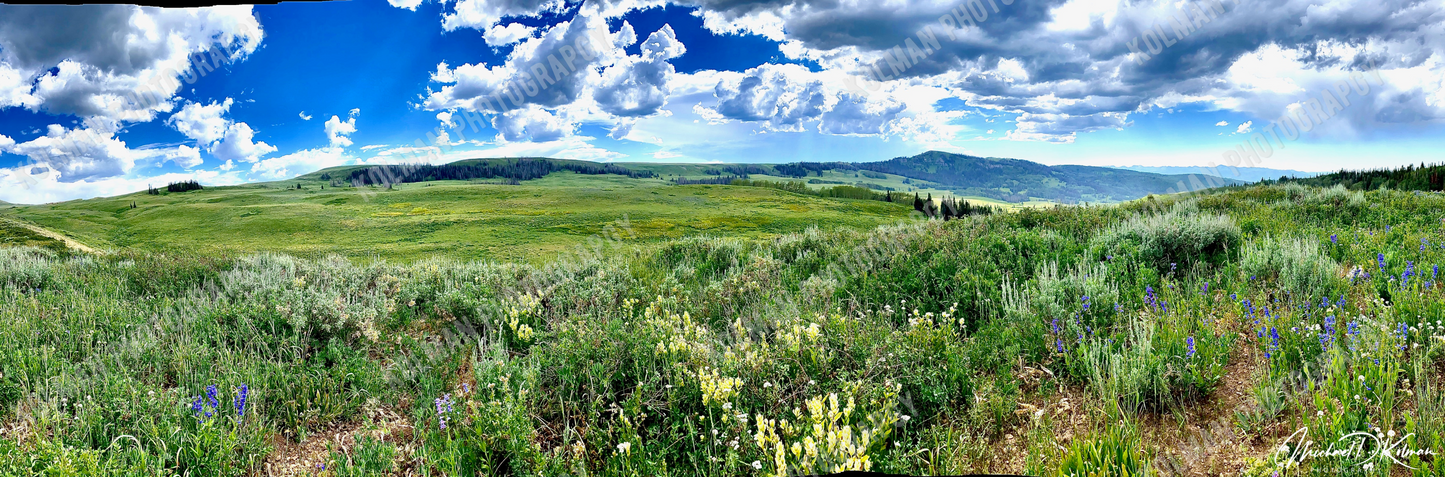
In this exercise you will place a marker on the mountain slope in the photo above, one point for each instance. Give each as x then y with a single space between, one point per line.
1016 180
1248 174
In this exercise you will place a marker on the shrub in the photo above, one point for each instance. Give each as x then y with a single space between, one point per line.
1294 265
1182 236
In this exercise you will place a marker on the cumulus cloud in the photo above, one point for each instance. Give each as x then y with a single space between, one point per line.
239 145
482 14
79 154
532 124
499 35
6 143
1222 123
1244 127
337 130
204 123
120 62
300 162
405 4
304 116
185 156
45 187
637 85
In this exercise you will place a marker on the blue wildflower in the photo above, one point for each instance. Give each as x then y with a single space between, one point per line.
1334 239
1059 343
1381 258
1327 334
1190 341
241 400
1273 342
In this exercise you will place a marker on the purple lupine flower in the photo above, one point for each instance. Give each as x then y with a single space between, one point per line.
1056 325
1206 288
1273 342
1059 343
1381 258
1334 239
1190 341
1085 299
1327 334
1341 303
196 408
241 400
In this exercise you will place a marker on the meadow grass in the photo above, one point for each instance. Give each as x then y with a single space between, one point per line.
1061 341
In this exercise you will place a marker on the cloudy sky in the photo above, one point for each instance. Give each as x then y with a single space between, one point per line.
102 100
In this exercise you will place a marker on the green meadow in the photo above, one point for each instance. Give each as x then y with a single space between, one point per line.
529 330
473 221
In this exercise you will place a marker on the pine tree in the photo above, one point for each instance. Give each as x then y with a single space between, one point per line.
917 202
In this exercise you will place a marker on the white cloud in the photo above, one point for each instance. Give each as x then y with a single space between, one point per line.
532 124
305 117
184 156
498 35
300 162
1222 123
1244 127
204 123
80 154
405 4
238 145
481 14
638 85
6 143
21 186
94 60
337 130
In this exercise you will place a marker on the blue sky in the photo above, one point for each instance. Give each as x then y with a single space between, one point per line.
311 85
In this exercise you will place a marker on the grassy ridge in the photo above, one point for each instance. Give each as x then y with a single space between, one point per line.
1061 341
448 218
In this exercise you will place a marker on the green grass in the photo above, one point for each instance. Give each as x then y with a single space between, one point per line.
528 222
991 344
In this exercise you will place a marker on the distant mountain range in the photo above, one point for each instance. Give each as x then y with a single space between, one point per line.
1247 174
1017 180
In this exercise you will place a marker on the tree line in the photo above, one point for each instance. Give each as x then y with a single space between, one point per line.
518 170
183 186
948 208
1424 177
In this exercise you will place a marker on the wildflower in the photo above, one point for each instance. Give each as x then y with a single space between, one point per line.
1334 239
1190 341
1206 288
1172 265
1381 258
1273 342
241 400
757 465
211 396
443 406
1059 343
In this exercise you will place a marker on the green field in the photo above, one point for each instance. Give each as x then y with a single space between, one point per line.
528 222
601 325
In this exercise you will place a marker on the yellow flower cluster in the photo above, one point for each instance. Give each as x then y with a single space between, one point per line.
828 439
525 306
715 388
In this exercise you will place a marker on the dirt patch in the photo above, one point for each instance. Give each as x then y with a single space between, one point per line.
57 236
307 457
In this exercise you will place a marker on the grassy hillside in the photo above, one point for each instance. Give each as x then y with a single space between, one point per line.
1183 336
534 220
1017 180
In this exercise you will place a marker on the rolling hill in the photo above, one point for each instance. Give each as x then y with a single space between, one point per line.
1017 180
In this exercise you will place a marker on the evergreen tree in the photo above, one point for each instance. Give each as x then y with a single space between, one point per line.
917 202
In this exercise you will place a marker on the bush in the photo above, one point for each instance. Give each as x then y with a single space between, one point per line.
1294 265
1182 237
